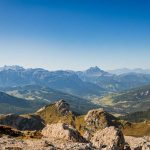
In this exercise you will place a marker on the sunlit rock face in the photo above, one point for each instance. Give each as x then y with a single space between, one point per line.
109 138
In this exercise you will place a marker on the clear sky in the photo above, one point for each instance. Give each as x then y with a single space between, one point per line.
75 34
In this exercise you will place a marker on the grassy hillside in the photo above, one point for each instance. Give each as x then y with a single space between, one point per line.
137 129
57 112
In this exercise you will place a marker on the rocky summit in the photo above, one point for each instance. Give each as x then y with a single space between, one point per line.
55 127
57 112
63 107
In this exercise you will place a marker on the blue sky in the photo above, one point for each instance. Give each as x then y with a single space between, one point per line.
75 34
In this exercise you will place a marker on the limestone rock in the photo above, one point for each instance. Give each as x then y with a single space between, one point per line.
97 119
109 138
138 143
42 144
62 131
63 107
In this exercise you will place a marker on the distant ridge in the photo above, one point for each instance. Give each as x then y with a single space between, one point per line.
93 82
65 81
126 70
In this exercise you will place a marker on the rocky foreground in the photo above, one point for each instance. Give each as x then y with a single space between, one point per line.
58 129
64 137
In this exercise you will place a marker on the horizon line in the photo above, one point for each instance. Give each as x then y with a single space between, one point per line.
63 69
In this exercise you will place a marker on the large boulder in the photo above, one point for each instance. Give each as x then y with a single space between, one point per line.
109 138
141 143
62 131
97 119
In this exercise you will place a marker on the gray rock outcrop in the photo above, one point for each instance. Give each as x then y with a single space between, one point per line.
141 143
62 131
97 119
109 138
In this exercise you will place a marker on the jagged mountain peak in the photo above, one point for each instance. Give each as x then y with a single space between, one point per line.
95 71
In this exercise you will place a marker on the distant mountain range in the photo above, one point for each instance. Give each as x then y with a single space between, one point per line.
29 89
65 81
126 71
92 82
111 82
